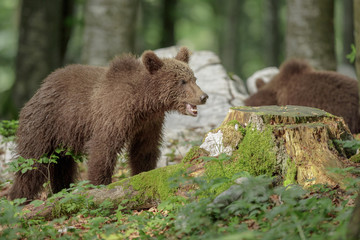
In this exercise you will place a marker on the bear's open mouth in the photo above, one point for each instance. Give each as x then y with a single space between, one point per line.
191 109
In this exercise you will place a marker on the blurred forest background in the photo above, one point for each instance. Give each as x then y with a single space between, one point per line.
38 36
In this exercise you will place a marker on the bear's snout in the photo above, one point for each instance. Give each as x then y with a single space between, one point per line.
204 98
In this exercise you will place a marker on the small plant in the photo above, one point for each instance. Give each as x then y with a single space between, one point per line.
23 165
352 145
220 160
8 129
352 56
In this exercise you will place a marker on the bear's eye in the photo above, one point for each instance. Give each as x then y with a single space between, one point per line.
183 82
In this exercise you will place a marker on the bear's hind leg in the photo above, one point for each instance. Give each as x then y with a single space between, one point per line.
144 148
63 173
28 184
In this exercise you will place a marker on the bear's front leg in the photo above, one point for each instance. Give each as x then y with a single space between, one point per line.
144 148
102 160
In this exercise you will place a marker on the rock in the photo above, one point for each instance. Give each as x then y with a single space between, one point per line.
213 143
223 93
235 192
6 155
229 196
266 74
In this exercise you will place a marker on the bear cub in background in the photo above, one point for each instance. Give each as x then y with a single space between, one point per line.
298 83
99 110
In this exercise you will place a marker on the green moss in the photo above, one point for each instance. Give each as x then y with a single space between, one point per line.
231 135
193 154
291 171
155 184
240 127
355 158
255 154
233 122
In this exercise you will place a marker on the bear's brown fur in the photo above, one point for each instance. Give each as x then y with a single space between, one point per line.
99 110
299 84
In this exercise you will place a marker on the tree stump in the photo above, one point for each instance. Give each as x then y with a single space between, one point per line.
306 151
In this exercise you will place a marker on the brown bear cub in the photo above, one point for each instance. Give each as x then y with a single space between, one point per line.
98 111
299 84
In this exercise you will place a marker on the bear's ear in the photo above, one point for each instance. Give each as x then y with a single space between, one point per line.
183 55
259 83
152 62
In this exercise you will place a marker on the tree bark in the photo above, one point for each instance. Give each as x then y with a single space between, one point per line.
168 23
273 39
310 32
43 37
347 29
109 30
357 37
297 147
230 43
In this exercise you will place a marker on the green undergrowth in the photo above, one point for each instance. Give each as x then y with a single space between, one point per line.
262 212
8 129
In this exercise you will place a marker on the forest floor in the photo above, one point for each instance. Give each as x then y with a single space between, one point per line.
320 211
263 212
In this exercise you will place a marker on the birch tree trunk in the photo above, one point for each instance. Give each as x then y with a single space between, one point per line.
310 32
109 29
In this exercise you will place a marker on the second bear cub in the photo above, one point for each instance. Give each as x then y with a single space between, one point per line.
298 83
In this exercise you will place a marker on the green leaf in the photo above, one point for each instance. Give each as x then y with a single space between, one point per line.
352 55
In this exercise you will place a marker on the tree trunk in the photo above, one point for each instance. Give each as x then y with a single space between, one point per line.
109 30
347 29
293 143
230 43
273 39
357 37
168 23
43 37
310 32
